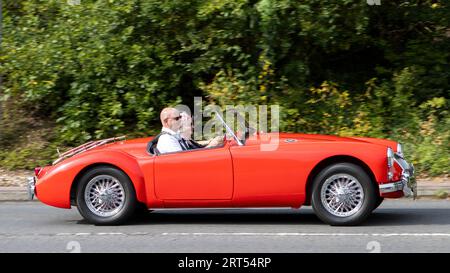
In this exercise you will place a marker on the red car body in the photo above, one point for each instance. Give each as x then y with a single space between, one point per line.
229 176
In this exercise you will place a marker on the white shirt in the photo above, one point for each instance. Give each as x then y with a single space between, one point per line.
168 143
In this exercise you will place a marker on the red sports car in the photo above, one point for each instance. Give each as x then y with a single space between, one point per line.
343 178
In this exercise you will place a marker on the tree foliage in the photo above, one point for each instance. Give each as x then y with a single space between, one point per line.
102 68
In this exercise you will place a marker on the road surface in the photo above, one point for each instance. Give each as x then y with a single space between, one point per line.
397 226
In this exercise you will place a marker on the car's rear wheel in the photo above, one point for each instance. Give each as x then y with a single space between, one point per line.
141 209
343 194
106 196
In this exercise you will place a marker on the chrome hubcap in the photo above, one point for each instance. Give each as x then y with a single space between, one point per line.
104 195
342 195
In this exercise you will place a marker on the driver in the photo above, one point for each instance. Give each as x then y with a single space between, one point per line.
171 139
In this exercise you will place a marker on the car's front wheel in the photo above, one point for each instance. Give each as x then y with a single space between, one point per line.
378 202
343 194
106 196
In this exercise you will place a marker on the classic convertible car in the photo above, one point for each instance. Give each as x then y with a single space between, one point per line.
343 178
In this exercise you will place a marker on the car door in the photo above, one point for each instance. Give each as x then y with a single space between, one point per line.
200 174
267 178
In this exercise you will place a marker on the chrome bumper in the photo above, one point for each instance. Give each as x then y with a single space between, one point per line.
31 186
407 183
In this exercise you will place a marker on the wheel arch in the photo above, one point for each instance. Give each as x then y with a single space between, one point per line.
334 160
89 167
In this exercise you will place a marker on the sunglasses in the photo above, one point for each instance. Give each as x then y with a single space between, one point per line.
177 118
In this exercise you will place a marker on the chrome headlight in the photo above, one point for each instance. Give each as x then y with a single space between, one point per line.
390 157
390 163
400 149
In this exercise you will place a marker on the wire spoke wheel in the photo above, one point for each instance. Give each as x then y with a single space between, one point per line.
104 195
342 195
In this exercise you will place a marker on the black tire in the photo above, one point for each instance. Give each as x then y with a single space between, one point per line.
368 201
378 202
129 204
141 209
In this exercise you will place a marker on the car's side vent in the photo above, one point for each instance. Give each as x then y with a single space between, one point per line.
289 140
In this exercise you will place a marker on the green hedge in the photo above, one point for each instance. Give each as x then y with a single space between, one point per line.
106 68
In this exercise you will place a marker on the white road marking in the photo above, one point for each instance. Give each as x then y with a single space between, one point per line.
260 234
110 233
302 234
140 233
88 234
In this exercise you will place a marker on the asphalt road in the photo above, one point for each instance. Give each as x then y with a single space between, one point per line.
397 226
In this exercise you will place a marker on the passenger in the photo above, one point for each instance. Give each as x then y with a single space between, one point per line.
186 135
